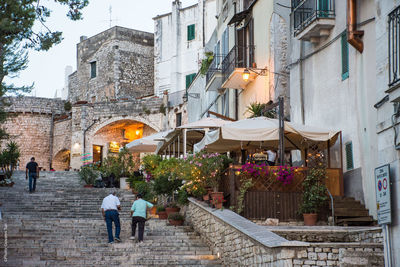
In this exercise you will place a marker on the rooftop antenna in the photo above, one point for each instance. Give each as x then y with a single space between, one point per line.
110 10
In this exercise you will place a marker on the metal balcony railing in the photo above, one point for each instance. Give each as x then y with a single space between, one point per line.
238 57
307 11
215 66
394 46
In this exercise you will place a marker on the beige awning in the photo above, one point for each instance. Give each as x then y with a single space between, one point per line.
146 144
262 132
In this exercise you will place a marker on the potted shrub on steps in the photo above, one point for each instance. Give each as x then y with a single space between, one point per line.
314 190
176 219
162 214
172 207
88 175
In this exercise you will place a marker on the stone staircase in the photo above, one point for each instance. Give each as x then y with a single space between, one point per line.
350 212
61 225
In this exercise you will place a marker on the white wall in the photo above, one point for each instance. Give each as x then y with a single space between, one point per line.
345 105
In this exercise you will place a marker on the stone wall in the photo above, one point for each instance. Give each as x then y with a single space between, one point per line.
62 143
124 66
240 242
29 125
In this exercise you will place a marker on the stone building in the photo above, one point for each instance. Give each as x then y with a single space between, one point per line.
114 64
111 103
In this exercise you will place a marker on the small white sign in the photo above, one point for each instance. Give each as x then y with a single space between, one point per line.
382 187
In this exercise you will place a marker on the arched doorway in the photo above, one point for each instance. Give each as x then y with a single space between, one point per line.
111 137
61 160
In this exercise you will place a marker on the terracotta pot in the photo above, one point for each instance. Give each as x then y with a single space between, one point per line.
310 219
153 210
172 210
175 223
206 197
162 215
88 186
217 199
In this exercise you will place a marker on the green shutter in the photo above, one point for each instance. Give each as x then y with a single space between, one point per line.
323 8
349 156
345 57
189 79
190 32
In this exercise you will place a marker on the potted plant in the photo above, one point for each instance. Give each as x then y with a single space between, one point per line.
314 191
172 207
176 219
162 214
9 159
88 175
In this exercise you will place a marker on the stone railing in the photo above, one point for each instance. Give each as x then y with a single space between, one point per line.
239 242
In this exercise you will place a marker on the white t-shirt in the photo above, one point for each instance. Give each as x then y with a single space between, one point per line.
271 155
110 202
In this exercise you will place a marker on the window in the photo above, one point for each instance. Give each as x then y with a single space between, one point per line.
93 73
190 32
178 119
345 57
394 62
349 156
189 79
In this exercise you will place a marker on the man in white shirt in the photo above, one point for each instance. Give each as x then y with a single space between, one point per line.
109 209
271 157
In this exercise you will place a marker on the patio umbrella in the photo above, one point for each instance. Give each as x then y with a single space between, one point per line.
148 143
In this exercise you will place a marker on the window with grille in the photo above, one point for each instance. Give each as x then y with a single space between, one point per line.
349 156
93 71
394 56
189 79
190 32
345 56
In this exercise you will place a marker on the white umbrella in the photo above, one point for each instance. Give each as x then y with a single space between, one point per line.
148 143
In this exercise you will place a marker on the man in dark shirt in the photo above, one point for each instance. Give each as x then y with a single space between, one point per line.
32 169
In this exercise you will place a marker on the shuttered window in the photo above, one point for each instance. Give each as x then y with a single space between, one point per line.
345 57
190 32
93 73
349 156
189 79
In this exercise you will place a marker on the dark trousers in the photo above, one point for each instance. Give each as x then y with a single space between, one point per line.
32 181
141 221
112 216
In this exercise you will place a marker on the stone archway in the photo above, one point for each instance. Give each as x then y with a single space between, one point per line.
61 160
107 137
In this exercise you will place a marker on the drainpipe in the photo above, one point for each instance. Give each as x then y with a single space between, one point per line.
204 26
51 139
301 85
84 135
353 36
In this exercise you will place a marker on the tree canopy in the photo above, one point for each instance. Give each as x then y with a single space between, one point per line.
17 34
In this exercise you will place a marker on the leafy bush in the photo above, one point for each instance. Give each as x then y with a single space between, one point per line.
259 109
176 216
182 197
121 165
160 208
67 106
150 163
145 189
163 185
88 174
9 159
206 62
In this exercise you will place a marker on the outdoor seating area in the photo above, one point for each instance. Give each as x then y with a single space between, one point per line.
252 184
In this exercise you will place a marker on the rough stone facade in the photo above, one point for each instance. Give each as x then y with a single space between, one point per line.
30 125
123 63
240 242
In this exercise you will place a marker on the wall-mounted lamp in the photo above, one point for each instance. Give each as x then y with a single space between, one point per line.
186 96
260 72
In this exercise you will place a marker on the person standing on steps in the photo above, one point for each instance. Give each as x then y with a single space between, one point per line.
109 209
32 170
138 213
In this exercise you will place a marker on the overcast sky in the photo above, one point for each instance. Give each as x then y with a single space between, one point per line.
46 69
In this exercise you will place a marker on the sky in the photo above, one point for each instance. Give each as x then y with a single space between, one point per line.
46 69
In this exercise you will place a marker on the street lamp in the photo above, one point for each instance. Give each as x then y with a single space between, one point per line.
246 75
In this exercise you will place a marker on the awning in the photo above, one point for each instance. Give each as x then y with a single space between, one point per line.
262 132
146 144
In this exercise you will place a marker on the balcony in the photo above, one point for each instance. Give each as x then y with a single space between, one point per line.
313 19
233 65
214 74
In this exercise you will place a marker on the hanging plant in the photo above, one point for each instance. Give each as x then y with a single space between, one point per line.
206 62
285 174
